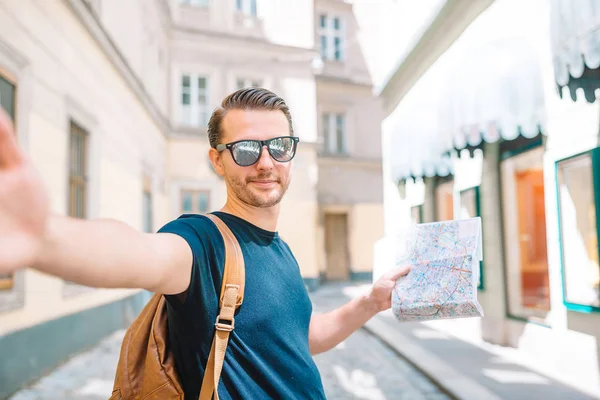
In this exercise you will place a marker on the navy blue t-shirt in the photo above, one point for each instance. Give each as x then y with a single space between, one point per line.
268 355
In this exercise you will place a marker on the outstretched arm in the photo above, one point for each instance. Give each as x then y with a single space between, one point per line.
329 329
100 253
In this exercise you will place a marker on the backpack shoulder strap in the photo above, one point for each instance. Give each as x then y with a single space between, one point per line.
232 296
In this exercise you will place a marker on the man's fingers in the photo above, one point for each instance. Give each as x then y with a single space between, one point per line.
10 154
399 272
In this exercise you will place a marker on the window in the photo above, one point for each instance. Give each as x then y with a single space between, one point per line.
246 7
77 171
524 226
470 208
578 185
8 91
197 3
194 201
331 36
444 201
147 205
194 100
242 83
334 133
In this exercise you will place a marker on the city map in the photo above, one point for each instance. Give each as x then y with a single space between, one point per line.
442 282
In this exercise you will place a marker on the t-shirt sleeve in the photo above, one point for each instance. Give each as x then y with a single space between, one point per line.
193 232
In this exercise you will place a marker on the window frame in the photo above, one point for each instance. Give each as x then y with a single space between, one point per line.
183 190
194 107
330 130
248 8
331 34
247 82
508 150
595 158
72 180
147 200
477 190
8 283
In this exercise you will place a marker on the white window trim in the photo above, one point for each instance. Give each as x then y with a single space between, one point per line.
330 34
195 108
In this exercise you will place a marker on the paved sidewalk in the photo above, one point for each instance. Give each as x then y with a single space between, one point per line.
463 369
362 367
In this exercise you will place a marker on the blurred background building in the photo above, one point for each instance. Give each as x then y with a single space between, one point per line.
111 99
493 112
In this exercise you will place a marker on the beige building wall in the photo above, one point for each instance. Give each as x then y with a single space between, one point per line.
140 30
61 75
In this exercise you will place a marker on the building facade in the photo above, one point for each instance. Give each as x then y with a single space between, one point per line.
350 191
511 137
111 100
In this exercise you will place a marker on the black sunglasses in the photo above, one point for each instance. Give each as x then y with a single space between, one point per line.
248 152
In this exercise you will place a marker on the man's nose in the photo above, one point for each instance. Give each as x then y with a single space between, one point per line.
265 161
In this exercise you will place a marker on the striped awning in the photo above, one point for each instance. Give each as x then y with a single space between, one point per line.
495 91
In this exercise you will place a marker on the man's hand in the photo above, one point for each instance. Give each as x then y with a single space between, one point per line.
24 205
328 330
381 292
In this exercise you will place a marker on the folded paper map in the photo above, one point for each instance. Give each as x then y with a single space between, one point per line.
442 282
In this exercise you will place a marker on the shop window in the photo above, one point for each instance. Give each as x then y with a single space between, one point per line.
578 195
470 207
524 226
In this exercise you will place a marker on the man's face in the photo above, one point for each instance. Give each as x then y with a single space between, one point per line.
264 183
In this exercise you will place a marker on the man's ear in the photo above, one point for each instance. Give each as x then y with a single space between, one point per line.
216 160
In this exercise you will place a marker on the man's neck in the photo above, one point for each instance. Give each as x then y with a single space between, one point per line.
265 218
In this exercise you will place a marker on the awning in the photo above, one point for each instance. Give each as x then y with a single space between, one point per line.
416 149
489 86
575 33
494 92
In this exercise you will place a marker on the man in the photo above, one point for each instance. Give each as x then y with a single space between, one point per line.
269 352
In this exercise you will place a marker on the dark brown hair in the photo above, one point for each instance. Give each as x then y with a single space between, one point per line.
245 99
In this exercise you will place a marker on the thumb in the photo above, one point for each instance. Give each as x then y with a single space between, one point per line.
399 272
10 154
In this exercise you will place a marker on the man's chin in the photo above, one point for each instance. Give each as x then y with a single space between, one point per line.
264 200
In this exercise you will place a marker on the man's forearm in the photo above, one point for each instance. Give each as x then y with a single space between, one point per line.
329 329
100 253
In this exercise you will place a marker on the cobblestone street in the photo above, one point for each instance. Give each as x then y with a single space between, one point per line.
362 367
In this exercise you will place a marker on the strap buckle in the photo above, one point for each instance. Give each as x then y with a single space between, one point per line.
225 326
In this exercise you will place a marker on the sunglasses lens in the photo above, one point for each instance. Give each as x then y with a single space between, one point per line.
282 149
246 153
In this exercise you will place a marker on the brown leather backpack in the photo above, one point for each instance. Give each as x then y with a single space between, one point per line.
146 370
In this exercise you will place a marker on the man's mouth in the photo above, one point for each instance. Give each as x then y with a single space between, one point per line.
264 183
